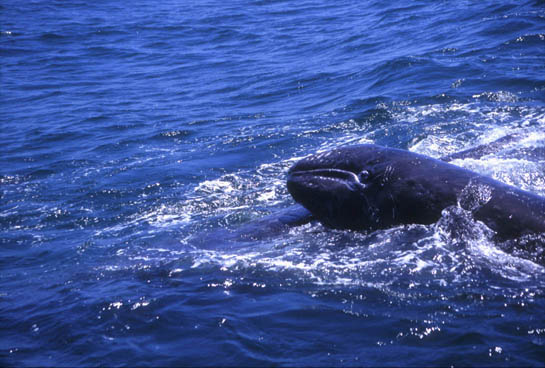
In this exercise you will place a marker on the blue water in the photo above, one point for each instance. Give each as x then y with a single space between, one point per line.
132 130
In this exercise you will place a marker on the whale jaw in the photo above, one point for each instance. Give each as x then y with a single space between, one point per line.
335 197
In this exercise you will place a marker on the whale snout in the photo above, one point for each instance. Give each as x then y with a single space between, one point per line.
334 196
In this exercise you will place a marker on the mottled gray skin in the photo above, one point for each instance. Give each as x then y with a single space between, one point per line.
368 187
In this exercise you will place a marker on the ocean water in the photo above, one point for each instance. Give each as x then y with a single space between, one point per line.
133 133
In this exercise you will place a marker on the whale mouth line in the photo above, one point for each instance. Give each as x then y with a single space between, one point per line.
328 174
347 179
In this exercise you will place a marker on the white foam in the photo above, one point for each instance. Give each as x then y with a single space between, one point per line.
215 186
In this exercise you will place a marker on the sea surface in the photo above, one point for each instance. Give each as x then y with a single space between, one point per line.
134 134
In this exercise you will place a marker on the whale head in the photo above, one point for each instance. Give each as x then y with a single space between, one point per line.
337 186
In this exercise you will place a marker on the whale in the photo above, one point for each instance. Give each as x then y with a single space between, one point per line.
279 222
371 187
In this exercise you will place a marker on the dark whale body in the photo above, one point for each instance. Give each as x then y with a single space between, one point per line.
368 187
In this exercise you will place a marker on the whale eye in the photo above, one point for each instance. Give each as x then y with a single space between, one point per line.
363 176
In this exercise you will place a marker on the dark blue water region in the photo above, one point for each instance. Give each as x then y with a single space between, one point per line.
133 137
